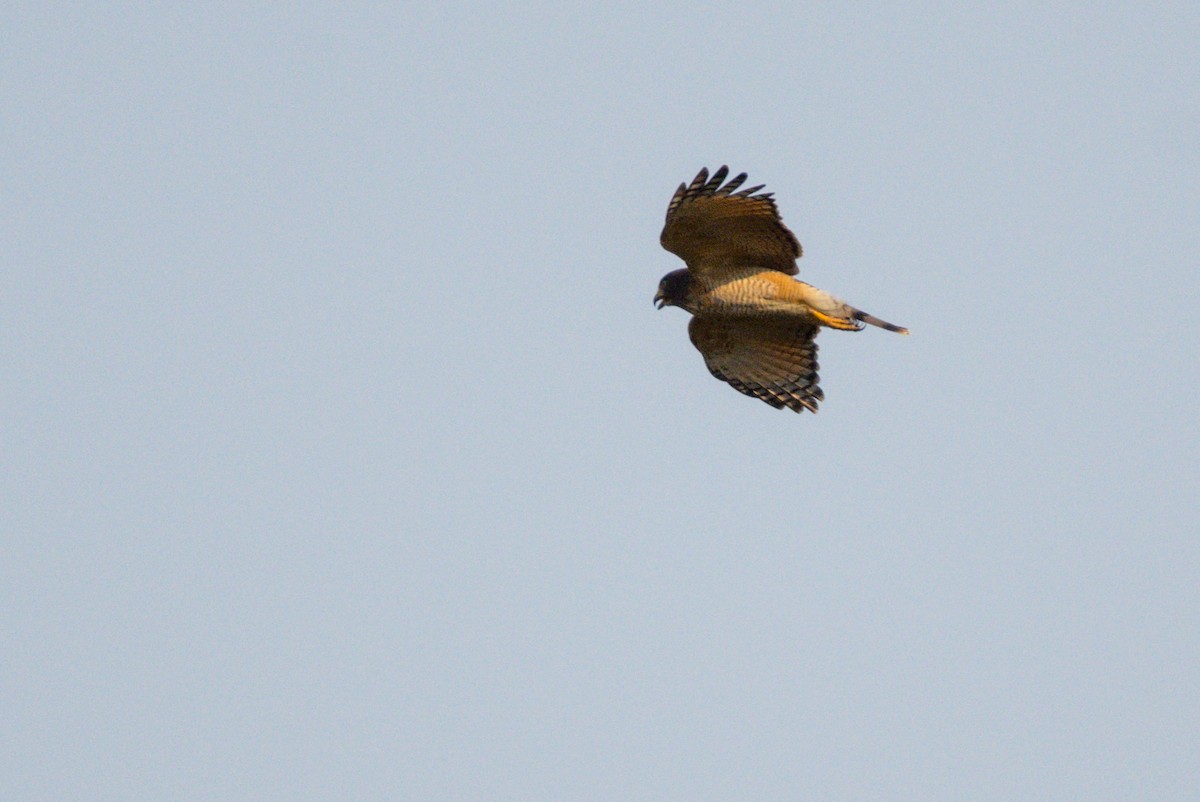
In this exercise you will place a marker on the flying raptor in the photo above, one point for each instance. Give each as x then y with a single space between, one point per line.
754 324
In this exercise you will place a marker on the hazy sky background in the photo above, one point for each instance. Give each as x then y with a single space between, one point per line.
345 457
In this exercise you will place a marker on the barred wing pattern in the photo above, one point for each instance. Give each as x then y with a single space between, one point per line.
711 227
769 358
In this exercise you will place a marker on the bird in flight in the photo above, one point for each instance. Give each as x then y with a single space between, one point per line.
754 324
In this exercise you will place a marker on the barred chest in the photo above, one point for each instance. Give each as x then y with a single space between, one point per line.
753 294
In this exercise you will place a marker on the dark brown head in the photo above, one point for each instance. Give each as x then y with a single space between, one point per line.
673 288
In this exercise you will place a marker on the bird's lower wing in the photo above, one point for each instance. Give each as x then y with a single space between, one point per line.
773 359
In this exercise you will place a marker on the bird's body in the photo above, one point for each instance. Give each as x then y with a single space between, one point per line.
754 324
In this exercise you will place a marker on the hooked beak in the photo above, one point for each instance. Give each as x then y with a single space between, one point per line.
659 300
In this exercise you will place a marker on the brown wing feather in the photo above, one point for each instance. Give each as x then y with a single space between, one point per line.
773 359
711 227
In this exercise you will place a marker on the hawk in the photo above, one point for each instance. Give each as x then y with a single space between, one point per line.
754 324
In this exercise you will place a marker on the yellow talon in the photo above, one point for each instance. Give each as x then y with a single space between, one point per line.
835 322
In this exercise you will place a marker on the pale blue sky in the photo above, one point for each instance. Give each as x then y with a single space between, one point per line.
345 457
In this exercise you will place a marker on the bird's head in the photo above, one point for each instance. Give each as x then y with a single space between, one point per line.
673 288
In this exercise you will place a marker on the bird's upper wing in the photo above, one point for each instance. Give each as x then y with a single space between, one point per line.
770 358
713 228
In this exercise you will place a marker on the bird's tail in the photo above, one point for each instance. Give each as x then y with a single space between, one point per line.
874 321
837 314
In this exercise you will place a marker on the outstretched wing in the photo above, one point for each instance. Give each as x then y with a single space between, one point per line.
770 358
713 228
